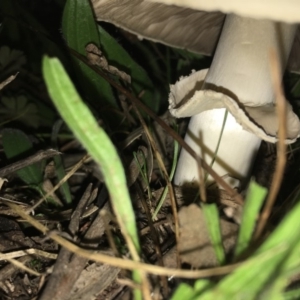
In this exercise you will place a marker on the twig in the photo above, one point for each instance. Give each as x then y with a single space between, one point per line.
27 161
124 263
19 253
281 146
7 81
23 267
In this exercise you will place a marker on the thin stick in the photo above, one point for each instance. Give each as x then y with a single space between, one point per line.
202 189
124 263
281 146
40 155
21 266
20 253
7 81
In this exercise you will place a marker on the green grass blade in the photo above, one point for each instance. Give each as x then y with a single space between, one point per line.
280 252
212 221
79 29
254 201
184 291
251 278
15 144
164 194
84 126
218 144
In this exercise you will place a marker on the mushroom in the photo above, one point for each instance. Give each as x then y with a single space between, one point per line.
238 83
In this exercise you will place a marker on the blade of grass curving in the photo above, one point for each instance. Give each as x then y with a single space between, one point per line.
215 154
84 126
249 280
79 29
285 271
212 221
80 120
166 189
138 156
253 203
218 144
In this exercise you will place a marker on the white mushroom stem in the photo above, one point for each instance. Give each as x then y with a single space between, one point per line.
235 155
241 72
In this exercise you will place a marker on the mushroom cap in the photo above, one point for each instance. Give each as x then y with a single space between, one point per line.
277 10
185 26
187 99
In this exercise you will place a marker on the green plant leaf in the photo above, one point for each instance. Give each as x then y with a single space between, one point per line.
213 227
254 201
265 269
17 143
184 291
166 189
292 295
118 57
84 126
79 29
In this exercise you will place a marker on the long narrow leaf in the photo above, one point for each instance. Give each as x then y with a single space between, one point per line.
254 200
80 120
213 226
79 29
